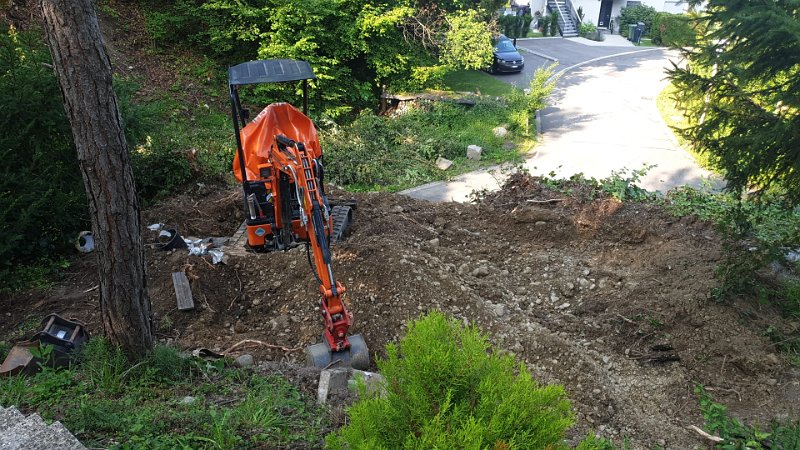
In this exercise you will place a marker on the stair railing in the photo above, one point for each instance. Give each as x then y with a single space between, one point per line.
573 15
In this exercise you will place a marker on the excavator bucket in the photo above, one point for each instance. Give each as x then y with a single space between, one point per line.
357 356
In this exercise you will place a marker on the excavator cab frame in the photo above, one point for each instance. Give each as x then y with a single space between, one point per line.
279 162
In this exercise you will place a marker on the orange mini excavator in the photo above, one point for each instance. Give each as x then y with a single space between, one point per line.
279 162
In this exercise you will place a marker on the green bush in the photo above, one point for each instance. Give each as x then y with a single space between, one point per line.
554 23
587 28
672 30
446 389
632 15
42 200
544 25
513 26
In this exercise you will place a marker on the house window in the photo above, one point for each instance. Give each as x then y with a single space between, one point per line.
633 3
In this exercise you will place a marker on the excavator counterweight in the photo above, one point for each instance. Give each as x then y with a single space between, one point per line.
280 165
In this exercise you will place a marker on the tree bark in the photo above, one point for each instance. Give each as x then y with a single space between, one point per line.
83 70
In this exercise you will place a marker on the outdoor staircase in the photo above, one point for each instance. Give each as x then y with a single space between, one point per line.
566 20
18 432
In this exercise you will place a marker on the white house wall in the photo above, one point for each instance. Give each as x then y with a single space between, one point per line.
591 8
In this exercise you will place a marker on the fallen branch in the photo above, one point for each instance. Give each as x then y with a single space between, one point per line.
710 437
625 318
262 344
549 200
91 289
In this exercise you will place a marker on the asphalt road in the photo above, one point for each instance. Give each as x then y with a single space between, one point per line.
603 118
561 52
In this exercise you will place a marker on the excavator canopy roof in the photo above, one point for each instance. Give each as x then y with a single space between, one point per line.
270 71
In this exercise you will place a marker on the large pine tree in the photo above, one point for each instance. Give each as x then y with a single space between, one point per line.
741 89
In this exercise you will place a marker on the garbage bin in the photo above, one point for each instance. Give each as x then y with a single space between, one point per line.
631 32
637 35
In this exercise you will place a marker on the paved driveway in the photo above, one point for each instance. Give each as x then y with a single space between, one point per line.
561 52
603 117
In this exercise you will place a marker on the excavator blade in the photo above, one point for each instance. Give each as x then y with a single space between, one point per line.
357 356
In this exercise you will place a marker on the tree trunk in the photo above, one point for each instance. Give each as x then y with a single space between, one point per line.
83 70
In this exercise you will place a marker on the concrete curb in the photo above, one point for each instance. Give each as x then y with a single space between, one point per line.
541 55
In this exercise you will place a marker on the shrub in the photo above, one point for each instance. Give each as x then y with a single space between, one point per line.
42 200
513 26
587 28
544 25
672 30
632 15
554 23
446 389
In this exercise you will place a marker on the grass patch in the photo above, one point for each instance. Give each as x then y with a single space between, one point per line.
477 82
647 42
377 153
167 402
676 120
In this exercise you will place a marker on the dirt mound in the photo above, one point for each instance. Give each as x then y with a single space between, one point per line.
608 298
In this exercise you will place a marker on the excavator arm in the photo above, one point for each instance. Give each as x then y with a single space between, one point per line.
292 160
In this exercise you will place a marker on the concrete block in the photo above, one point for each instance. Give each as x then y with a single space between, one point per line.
443 163
331 380
474 152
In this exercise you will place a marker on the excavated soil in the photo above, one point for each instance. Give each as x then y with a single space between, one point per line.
609 299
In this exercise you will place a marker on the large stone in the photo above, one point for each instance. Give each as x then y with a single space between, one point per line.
244 361
500 131
474 152
443 163
331 380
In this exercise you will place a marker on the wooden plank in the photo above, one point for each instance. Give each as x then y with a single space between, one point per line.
183 292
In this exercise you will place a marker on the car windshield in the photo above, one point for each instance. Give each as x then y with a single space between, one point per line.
504 46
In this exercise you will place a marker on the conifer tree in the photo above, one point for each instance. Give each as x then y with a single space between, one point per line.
740 88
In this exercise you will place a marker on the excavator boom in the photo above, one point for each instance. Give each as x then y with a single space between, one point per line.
279 162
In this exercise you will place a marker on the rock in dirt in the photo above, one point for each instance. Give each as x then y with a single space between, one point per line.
397 209
432 243
244 361
481 271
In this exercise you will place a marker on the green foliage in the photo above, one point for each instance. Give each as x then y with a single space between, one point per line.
739 90
513 26
544 24
554 23
446 389
632 15
587 28
673 30
107 402
393 153
621 185
740 436
468 42
42 201
756 235
541 86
